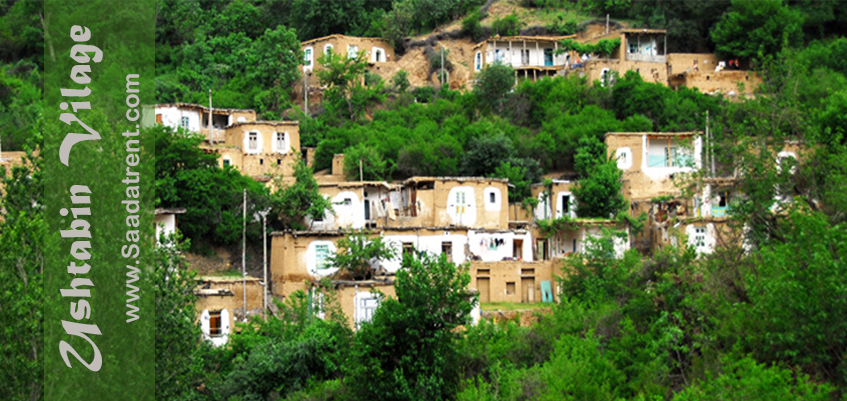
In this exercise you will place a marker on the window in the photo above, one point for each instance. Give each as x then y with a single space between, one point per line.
565 205
308 58
328 50
215 326
352 51
158 118
492 197
699 241
253 141
279 140
183 122
378 56
633 48
366 304
548 57
261 162
510 287
322 257
525 57
478 61
408 249
460 198
227 162
447 250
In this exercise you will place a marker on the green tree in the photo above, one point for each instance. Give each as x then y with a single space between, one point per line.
177 332
358 252
486 153
299 200
407 351
757 28
22 235
493 84
599 193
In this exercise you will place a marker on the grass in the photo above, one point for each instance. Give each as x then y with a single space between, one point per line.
513 306
225 273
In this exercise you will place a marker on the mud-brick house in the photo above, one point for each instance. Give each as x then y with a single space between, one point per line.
710 75
195 118
260 149
655 167
357 205
377 51
531 57
474 202
221 303
642 50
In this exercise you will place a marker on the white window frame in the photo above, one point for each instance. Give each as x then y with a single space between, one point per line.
253 141
478 61
184 122
309 58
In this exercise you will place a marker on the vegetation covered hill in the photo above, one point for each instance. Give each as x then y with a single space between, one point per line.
760 324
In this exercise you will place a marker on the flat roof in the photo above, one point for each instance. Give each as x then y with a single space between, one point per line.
170 210
644 30
670 134
459 179
216 110
356 184
339 36
525 38
265 122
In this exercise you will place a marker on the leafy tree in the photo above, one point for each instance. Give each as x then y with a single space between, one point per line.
590 153
177 330
22 234
301 199
493 84
400 81
407 351
315 18
398 24
471 26
746 379
373 166
753 29
506 26
358 252
599 193
486 153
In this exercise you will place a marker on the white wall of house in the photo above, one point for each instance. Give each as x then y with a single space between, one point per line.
285 146
173 117
165 225
250 148
430 244
657 148
561 209
492 247
702 237
519 56
314 253
461 206
216 340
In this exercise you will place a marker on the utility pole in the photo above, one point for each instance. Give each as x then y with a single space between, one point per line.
244 251
442 66
607 24
306 91
361 176
265 260
211 127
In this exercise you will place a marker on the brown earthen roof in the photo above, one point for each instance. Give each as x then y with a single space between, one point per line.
525 38
671 134
222 110
642 30
338 36
459 179
271 123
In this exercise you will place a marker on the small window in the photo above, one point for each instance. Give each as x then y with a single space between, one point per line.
408 249
278 162
183 122
215 325
261 162
322 257
510 287
253 141
328 50
478 61
347 202
447 250
280 141
227 162
158 118
308 58
460 198
352 51
492 197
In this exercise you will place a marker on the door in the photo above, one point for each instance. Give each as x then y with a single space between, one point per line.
548 57
517 250
483 284
367 209
528 288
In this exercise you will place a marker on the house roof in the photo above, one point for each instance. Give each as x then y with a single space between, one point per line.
670 134
170 210
459 179
216 110
338 36
645 31
525 38
264 122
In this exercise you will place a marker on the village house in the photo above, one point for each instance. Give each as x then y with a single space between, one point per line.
220 303
259 149
377 51
532 57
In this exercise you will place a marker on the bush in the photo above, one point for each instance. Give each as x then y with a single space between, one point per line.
471 26
506 26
